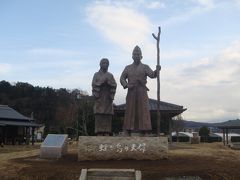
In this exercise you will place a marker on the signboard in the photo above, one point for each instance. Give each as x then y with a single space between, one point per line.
54 146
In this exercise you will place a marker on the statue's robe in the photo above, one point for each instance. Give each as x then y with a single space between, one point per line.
137 115
103 90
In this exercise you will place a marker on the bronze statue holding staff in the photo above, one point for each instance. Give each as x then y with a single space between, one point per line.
134 78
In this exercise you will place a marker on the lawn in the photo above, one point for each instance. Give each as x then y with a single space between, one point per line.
205 160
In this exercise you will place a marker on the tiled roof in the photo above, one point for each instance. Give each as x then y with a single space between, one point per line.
10 117
221 135
19 123
164 106
9 113
2 124
182 134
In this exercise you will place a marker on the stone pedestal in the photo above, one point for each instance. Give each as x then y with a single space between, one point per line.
116 148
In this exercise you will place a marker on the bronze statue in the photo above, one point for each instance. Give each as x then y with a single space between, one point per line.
134 77
103 89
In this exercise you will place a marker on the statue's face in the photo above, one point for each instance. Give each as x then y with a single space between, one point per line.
104 65
137 56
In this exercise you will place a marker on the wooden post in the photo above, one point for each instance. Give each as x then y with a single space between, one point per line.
223 136
2 138
4 135
33 128
227 135
158 80
170 129
23 136
27 135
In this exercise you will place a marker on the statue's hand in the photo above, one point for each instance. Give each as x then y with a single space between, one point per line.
158 67
97 97
106 80
130 86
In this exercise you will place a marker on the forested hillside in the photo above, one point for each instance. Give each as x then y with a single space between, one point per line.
60 110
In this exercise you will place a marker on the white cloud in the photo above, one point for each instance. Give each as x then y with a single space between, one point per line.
232 53
211 71
70 80
122 25
126 27
209 87
195 7
237 2
51 67
171 55
183 17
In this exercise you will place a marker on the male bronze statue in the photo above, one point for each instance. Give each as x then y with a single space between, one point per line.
103 89
134 78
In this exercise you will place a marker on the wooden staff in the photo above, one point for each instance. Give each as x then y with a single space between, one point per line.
158 80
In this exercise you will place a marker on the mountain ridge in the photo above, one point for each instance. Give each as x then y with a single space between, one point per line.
194 124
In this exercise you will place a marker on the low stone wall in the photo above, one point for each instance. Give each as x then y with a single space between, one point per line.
116 148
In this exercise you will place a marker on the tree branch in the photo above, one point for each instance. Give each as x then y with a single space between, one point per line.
155 37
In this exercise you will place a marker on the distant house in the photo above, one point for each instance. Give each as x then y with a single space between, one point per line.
189 130
231 136
214 129
182 136
167 110
15 127
215 137
229 125
191 137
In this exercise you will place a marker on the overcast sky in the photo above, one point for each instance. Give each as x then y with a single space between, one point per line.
59 43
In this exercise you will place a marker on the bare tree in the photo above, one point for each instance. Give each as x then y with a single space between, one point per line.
84 114
178 125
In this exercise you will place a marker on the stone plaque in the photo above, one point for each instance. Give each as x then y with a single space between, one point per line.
114 148
54 146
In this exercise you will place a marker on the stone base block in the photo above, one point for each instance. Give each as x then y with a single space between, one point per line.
117 148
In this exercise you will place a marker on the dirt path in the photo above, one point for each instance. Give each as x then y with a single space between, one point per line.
15 155
207 161
10 170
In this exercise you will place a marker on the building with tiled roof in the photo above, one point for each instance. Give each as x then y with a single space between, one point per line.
231 124
15 127
167 110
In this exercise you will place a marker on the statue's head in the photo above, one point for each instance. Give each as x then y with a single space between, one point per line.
104 63
137 54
